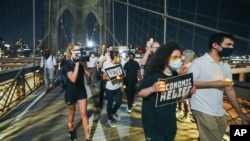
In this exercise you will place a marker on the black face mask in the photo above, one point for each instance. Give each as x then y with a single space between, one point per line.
46 56
225 52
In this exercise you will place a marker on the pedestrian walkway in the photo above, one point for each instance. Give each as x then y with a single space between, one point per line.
47 121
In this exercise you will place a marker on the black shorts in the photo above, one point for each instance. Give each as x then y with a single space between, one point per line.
74 94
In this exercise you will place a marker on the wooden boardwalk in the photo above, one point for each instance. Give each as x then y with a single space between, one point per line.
43 117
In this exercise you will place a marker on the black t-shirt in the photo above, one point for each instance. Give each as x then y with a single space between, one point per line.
131 67
157 119
78 86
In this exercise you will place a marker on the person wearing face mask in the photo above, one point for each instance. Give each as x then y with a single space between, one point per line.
184 111
48 66
159 123
133 74
113 90
75 90
209 73
92 69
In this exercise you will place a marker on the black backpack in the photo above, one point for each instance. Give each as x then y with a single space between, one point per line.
63 76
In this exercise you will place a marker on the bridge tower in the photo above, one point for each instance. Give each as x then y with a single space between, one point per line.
79 9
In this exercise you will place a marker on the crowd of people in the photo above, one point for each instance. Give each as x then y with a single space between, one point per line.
159 62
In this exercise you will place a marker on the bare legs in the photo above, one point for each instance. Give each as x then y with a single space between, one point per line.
83 111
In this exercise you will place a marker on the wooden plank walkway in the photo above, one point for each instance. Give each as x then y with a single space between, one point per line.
46 120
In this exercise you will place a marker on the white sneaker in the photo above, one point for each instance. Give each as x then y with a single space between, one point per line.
116 117
111 123
129 110
134 104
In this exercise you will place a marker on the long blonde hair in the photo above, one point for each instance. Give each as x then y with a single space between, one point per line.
69 48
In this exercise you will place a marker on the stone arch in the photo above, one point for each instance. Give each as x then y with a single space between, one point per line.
79 10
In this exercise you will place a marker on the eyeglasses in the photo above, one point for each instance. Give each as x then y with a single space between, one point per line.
174 58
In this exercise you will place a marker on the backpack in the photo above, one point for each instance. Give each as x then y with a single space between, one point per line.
63 77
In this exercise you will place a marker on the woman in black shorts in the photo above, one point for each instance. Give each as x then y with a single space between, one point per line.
75 89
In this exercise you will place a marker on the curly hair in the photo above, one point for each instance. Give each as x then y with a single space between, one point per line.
160 59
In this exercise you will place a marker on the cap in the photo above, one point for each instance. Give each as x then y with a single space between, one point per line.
46 50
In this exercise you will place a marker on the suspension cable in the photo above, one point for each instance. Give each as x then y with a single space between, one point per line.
179 19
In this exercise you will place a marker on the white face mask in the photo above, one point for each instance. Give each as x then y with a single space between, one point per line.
92 55
175 64
77 52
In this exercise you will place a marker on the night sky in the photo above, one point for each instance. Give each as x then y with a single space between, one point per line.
17 20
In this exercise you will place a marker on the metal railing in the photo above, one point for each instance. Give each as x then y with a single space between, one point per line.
17 84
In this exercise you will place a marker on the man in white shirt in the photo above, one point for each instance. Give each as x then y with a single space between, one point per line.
92 68
48 63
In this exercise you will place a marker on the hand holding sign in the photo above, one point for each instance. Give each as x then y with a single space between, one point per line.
115 72
159 86
118 77
176 89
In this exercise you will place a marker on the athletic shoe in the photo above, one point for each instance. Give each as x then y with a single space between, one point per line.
111 123
129 110
46 90
72 135
53 85
116 117
134 104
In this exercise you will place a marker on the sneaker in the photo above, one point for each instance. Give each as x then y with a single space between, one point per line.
111 123
96 117
116 117
129 110
46 90
53 85
179 114
72 135
134 104
185 119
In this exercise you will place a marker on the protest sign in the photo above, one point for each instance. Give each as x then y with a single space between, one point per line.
113 72
177 89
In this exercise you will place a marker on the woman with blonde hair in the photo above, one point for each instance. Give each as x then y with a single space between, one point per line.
75 92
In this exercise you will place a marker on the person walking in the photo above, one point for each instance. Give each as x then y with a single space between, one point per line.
113 90
209 73
184 111
92 68
48 66
159 123
75 90
103 59
133 74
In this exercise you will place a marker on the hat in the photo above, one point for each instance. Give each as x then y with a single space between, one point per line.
46 50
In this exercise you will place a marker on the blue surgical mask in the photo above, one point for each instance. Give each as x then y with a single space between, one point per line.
175 64
225 52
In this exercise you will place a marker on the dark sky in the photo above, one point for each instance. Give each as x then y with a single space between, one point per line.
16 20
